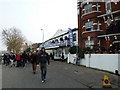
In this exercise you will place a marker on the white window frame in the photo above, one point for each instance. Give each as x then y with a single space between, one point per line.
106 4
89 43
88 8
89 25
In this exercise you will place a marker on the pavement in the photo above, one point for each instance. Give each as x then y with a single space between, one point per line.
59 75
0 77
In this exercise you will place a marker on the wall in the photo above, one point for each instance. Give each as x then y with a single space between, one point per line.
108 62
119 63
71 58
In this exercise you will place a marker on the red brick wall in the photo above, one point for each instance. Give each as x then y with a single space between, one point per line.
93 17
115 7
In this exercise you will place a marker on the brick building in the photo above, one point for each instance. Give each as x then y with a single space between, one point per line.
99 24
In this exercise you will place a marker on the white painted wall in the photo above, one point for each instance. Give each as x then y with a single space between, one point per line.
119 63
109 62
71 58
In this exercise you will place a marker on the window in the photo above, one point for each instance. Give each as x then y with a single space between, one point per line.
65 38
89 43
117 18
49 42
74 37
53 42
61 39
108 6
56 41
88 8
89 26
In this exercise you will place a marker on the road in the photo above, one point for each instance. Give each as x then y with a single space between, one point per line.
59 75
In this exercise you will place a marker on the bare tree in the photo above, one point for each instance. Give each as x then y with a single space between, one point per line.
13 39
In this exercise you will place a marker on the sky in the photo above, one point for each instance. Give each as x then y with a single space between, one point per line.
30 16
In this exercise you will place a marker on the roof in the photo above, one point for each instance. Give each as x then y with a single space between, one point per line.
60 32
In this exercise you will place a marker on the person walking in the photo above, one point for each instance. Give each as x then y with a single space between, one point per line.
7 59
4 58
62 56
43 58
34 59
18 59
12 58
24 58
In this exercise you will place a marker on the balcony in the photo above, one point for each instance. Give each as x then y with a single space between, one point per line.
113 28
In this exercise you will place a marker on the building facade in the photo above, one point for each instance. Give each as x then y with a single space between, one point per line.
99 24
60 43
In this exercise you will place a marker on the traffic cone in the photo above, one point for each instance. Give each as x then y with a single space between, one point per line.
106 82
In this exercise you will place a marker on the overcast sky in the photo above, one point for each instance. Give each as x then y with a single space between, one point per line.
30 16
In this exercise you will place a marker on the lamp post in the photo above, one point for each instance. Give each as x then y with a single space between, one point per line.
43 35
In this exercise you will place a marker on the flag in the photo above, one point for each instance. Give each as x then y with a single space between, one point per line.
70 37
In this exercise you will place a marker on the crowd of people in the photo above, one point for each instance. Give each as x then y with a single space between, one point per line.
17 60
21 59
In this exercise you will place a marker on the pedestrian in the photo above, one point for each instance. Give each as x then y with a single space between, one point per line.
7 59
43 58
14 61
24 59
18 59
51 56
34 59
28 57
62 56
4 58
12 58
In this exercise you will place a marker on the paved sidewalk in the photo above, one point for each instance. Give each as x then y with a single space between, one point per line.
93 77
0 77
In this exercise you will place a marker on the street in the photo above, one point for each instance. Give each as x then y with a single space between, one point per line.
59 75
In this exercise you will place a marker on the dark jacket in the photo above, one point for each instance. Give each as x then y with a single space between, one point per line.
43 58
12 57
34 58
24 56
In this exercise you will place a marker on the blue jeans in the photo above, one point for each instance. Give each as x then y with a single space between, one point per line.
43 67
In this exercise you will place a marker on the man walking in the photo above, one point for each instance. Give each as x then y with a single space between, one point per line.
5 58
12 58
34 59
43 58
24 58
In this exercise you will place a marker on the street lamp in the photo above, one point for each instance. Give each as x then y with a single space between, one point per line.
43 35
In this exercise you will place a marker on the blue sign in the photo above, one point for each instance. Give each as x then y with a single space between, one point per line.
71 37
106 81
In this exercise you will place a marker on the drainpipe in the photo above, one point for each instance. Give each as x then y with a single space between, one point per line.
79 26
